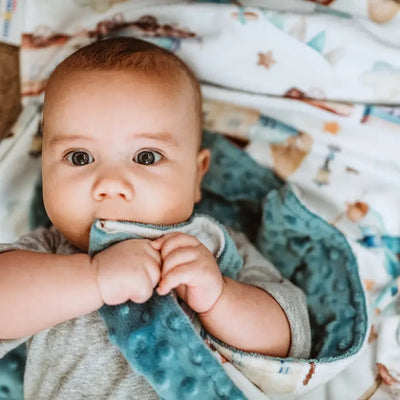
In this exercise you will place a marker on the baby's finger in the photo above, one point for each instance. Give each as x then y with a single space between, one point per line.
143 291
180 275
156 244
154 254
177 240
153 272
159 242
178 256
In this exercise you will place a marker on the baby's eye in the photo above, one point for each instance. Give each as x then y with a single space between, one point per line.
147 157
79 157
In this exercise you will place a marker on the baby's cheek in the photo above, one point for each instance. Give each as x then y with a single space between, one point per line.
63 205
176 207
182 207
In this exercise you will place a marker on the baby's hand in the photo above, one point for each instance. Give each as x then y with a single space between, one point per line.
128 270
191 269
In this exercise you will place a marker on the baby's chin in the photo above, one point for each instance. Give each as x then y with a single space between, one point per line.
82 245
80 241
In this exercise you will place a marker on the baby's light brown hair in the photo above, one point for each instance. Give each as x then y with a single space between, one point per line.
128 53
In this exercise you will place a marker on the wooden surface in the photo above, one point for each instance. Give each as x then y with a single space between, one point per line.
9 87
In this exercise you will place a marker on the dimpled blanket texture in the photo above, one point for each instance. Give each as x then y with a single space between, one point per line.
150 335
307 89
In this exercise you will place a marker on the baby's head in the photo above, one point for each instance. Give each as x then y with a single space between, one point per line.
121 138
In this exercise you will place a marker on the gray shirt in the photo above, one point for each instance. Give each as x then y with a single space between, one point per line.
75 359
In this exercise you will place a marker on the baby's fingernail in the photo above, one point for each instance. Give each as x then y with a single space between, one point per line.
161 291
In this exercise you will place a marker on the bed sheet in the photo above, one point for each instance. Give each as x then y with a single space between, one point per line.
308 89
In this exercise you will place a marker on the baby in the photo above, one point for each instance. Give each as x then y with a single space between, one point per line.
122 141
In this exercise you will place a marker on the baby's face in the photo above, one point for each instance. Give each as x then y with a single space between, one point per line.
121 146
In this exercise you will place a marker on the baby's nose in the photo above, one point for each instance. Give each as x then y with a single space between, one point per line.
112 185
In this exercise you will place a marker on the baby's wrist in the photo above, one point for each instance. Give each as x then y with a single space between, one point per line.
94 266
209 310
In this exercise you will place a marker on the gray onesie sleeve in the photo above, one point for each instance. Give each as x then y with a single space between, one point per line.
258 271
42 240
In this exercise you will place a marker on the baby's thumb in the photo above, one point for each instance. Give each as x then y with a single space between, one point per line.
157 244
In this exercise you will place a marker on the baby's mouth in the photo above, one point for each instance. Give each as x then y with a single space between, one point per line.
102 219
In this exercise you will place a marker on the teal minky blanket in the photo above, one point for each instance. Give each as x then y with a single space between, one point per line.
306 249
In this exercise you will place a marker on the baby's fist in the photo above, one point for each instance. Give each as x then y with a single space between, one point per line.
128 270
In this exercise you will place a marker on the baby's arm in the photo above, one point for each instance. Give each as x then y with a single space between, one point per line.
38 290
261 274
249 319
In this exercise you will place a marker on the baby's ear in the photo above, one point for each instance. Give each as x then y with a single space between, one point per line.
203 163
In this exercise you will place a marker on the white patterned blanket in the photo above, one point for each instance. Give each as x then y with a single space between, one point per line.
310 90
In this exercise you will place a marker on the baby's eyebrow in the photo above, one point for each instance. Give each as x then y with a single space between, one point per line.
66 138
164 137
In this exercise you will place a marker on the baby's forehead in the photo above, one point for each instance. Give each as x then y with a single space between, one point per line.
175 81
157 67
77 92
